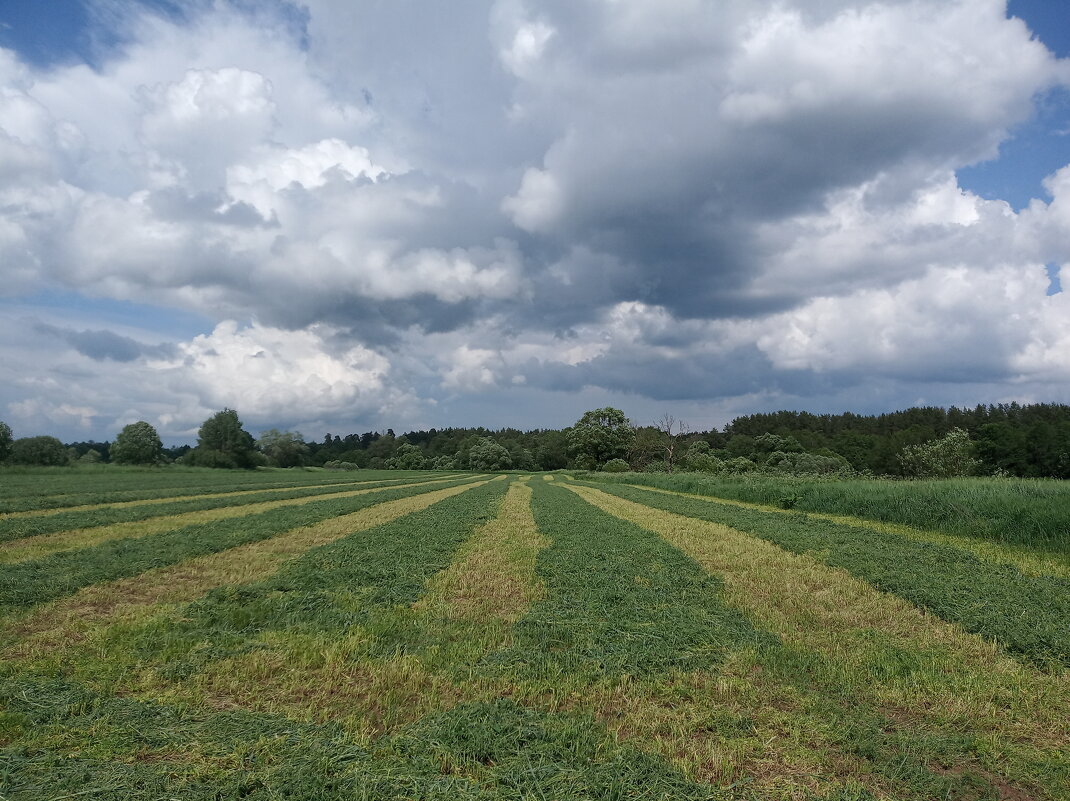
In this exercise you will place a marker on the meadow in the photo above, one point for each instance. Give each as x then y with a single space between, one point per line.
196 634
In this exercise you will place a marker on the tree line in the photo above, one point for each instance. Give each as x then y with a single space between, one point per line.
1031 440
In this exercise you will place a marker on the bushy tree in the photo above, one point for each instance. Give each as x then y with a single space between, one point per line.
552 451
951 455
488 455
740 464
283 448
521 458
137 443
773 443
806 463
616 466
6 440
91 456
444 463
222 442
39 451
338 464
407 457
600 435
699 458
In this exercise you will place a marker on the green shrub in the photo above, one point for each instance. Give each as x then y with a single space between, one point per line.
616 466
39 451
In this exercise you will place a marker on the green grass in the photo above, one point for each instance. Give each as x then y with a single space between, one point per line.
1025 614
626 664
74 743
14 528
620 601
33 582
367 581
1022 511
41 488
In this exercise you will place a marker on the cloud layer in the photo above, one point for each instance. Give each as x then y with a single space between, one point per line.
394 217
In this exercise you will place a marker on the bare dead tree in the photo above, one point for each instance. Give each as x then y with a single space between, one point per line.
673 431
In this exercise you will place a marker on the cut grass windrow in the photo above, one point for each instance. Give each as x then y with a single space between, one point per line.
300 641
1030 560
618 601
42 545
313 673
1025 614
29 583
493 575
950 688
631 624
51 522
49 629
101 487
80 743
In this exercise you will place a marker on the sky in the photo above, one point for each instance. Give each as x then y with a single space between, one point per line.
349 215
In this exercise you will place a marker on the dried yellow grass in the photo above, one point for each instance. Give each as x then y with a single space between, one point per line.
320 678
27 548
493 574
778 751
1017 713
1029 562
70 620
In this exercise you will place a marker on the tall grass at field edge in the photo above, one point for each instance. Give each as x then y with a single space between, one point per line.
1033 512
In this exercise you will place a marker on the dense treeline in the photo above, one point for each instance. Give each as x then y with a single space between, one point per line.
1030 441
448 449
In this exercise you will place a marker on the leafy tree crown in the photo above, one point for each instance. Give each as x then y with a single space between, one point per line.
137 443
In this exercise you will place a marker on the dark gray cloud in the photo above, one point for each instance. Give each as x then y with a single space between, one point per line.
104 345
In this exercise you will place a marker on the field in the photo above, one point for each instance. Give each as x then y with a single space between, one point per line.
383 635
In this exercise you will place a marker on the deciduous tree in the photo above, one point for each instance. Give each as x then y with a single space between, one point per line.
283 448
600 435
222 442
487 454
137 443
951 455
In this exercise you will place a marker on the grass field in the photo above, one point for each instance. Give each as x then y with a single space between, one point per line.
311 635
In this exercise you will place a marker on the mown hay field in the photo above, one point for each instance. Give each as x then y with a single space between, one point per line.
312 635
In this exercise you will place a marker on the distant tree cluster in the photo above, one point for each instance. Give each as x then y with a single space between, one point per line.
1031 441
1007 439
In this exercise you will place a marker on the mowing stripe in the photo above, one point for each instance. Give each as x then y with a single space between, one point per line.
28 584
493 574
178 498
21 499
935 675
22 528
65 621
330 636
42 545
619 601
70 738
1029 560
1025 614
628 614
